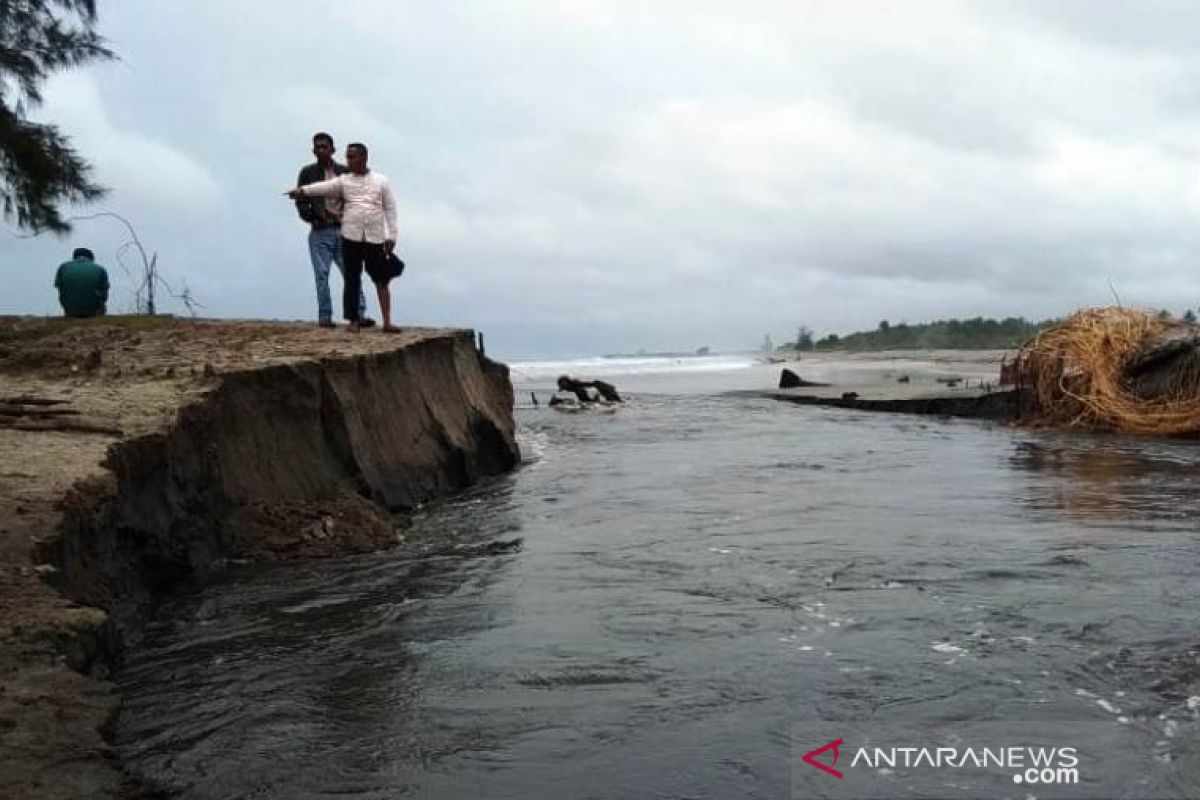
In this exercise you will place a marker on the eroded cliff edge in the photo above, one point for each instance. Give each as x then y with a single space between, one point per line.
136 453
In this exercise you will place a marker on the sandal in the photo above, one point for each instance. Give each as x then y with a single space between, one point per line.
390 329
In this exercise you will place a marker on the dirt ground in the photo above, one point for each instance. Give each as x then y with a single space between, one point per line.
69 389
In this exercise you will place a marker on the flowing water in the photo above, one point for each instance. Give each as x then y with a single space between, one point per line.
696 576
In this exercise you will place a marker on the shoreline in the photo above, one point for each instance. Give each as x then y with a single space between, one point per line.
720 374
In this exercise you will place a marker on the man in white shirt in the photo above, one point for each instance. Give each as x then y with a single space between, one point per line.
368 230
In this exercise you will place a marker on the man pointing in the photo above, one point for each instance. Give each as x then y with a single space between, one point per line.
368 230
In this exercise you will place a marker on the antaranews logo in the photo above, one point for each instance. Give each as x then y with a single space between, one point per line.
811 758
877 760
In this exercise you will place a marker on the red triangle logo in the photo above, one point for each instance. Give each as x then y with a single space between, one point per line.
810 758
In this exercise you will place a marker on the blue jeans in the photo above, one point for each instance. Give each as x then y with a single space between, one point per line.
325 247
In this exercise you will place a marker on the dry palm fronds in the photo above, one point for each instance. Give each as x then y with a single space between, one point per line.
1113 369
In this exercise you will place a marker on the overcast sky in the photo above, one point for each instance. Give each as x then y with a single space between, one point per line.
590 177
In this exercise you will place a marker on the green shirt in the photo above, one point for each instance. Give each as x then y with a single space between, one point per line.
82 287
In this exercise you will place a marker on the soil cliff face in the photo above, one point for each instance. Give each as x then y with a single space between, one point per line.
134 455
305 458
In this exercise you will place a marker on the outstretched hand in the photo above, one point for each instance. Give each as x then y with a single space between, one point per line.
293 193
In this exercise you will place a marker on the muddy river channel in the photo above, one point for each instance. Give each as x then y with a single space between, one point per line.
661 602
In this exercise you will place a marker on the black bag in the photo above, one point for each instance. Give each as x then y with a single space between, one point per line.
395 267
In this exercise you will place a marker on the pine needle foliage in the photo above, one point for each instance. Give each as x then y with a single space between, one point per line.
39 170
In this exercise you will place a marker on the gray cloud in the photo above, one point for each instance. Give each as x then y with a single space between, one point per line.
578 178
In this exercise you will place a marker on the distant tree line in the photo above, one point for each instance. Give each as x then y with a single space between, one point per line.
951 334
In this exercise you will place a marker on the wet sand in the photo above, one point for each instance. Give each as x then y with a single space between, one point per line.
877 374
898 377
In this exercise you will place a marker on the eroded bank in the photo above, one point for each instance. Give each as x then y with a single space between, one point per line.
136 453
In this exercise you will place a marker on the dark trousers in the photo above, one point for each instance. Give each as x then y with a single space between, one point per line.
357 256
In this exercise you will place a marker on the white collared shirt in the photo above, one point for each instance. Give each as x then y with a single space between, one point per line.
333 204
369 213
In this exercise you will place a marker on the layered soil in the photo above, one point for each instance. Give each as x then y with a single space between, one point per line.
137 451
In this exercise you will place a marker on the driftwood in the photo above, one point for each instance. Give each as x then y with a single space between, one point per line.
67 426
28 413
30 400
1113 369
7 410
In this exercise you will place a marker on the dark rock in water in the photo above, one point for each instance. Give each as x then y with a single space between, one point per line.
605 391
902 379
849 395
790 380
494 548
502 546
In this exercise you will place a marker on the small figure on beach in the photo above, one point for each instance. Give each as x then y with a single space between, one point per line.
324 216
368 232
82 285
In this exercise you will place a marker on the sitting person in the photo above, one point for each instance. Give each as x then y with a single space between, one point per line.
82 285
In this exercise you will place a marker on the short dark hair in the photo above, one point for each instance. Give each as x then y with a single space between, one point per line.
83 252
358 145
323 135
